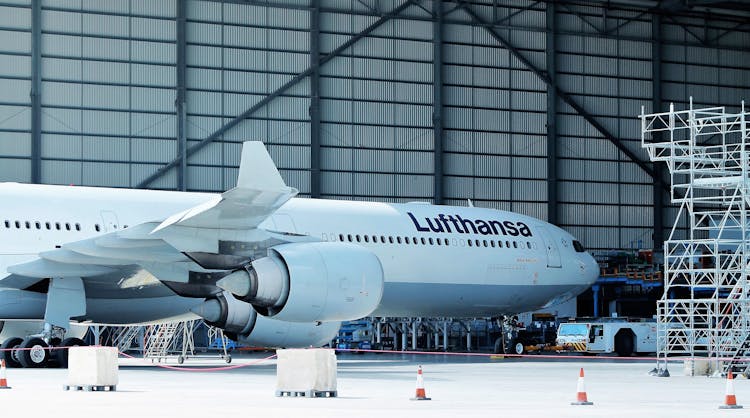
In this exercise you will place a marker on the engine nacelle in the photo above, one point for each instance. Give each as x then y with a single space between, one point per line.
308 282
269 332
240 322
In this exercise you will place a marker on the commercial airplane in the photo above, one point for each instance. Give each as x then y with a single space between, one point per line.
268 268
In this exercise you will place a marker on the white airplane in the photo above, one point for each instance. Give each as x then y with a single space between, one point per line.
269 269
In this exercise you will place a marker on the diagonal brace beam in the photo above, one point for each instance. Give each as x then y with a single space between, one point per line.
289 84
567 98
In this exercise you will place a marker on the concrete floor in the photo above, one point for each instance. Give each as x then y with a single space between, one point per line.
380 385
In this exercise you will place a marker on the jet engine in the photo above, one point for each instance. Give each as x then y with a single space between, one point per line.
241 323
308 282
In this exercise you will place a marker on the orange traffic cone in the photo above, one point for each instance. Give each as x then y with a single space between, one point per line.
581 397
420 395
730 401
3 380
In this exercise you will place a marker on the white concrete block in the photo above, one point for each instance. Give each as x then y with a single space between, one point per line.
92 366
301 370
697 367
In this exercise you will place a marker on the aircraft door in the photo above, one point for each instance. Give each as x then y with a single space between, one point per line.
553 252
110 221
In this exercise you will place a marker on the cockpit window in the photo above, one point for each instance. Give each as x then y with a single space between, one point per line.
578 246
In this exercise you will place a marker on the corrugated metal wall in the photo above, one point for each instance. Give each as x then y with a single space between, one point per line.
108 118
15 84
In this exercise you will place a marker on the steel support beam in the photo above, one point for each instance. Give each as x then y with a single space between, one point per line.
315 110
437 99
281 90
36 91
180 101
552 186
567 98
657 106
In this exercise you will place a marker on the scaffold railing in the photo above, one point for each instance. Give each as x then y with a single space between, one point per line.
705 309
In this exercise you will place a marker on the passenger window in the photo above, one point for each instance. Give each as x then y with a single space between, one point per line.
18 225
382 239
78 227
447 242
47 225
507 244
469 243
350 237
439 241
423 241
484 243
476 242
57 225
97 228
431 243
528 244
398 239
374 238
38 225
67 226
390 239
7 224
367 239
414 240
492 244
28 225
515 244
406 240
359 238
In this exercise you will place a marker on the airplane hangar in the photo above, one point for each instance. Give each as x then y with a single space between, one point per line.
521 105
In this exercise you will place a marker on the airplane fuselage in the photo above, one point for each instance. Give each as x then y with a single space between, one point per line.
437 260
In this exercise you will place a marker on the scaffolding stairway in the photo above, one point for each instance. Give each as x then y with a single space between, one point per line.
705 309
159 340
740 361
123 337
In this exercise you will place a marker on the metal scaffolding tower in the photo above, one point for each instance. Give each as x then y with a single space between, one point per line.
705 309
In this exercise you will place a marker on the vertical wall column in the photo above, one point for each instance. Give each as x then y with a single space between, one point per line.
658 189
315 99
437 97
180 101
36 91
552 186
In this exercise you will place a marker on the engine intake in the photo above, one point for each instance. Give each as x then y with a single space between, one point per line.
307 282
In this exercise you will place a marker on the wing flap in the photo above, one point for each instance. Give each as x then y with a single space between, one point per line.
42 268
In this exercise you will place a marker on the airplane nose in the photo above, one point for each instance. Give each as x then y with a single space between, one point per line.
592 268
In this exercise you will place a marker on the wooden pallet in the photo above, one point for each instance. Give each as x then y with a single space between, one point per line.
308 393
91 388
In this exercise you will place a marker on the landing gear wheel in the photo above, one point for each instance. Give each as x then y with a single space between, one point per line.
9 353
228 358
62 354
519 348
180 359
34 353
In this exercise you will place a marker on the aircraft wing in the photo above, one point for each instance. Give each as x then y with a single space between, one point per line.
218 234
